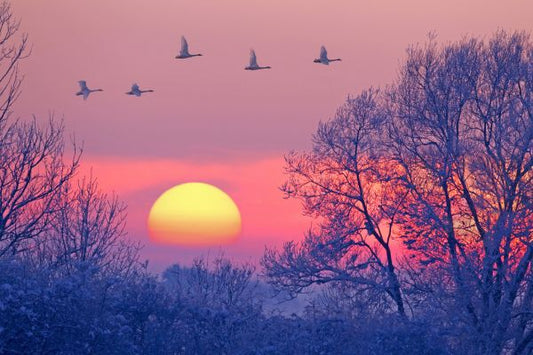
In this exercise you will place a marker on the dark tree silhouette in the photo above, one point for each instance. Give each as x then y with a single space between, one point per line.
342 183
88 227
43 215
32 164
424 192
14 49
462 131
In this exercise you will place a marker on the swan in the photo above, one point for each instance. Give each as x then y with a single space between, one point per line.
136 91
324 57
84 90
184 51
253 62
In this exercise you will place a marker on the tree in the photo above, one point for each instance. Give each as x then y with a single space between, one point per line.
13 51
32 165
441 161
42 213
462 129
32 172
342 183
89 227
221 307
221 284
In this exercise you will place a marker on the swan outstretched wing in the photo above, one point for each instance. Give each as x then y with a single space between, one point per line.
83 85
323 54
184 46
253 59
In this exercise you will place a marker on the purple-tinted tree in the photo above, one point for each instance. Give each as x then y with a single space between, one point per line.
14 48
442 162
345 183
88 227
462 131
32 164
221 306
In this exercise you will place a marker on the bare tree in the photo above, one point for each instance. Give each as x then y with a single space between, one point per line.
89 226
32 164
344 183
13 50
220 284
443 162
32 172
462 130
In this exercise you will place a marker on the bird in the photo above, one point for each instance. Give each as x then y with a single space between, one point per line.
84 90
184 51
324 57
136 91
253 62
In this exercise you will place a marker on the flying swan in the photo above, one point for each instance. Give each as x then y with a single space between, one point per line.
253 62
184 51
324 57
135 91
84 90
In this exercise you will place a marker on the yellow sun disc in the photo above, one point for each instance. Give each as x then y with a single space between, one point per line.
194 214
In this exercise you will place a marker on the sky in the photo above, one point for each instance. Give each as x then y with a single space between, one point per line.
208 119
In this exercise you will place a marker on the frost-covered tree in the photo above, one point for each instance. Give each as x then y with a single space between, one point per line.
14 49
221 306
461 128
216 283
423 193
88 226
32 164
345 183
44 215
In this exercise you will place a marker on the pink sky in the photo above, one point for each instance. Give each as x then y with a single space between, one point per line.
208 119
267 219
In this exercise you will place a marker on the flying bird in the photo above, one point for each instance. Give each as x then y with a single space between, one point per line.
136 91
84 90
253 62
324 57
184 51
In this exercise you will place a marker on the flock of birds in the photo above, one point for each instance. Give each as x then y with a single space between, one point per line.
185 54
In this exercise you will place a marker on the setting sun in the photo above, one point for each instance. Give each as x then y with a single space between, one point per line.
194 214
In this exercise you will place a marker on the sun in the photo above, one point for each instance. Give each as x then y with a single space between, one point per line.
194 214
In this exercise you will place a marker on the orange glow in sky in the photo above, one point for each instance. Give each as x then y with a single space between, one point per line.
208 119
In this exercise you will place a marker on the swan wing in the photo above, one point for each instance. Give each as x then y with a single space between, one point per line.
83 85
323 54
253 58
184 46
